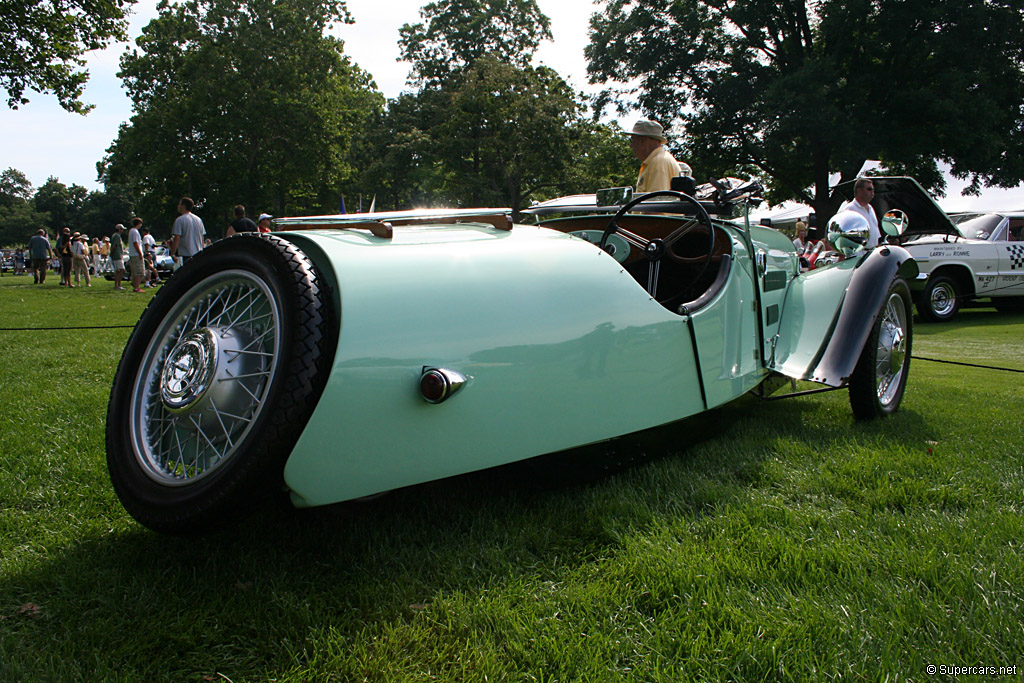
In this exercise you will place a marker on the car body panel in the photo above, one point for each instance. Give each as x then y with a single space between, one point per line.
561 348
841 338
978 259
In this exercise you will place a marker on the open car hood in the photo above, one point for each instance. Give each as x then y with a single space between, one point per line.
904 193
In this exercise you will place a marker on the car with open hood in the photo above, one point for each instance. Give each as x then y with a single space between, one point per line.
975 258
343 356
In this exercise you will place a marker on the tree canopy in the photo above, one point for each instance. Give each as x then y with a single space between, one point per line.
42 43
240 101
455 33
794 91
52 206
485 127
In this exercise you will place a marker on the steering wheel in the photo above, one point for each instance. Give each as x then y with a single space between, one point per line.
654 250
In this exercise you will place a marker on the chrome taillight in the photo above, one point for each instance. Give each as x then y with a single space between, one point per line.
438 384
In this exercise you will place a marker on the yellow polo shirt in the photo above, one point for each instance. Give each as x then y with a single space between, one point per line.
657 171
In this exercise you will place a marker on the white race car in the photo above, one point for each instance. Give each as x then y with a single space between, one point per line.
964 258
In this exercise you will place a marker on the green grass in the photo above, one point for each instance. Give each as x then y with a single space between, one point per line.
759 542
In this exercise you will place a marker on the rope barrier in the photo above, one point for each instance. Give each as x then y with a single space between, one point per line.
60 329
969 365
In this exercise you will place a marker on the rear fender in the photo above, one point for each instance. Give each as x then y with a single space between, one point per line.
813 346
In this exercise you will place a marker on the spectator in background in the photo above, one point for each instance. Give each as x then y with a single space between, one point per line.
658 166
80 256
149 247
136 255
64 254
117 255
863 193
264 222
39 252
188 231
801 235
94 255
242 223
104 255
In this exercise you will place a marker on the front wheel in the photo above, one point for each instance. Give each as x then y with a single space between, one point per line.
940 300
880 378
216 383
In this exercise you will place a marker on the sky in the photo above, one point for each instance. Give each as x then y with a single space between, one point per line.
41 140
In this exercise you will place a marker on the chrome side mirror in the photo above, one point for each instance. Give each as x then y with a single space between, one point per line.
894 222
848 231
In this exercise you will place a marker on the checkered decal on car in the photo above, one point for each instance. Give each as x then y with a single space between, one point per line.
1016 256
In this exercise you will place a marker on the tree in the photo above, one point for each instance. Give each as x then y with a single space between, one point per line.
501 136
14 188
794 91
42 43
62 204
485 127
507 132
102 210
18 218
458 32
239 102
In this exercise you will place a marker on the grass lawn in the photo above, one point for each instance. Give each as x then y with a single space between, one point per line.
759 542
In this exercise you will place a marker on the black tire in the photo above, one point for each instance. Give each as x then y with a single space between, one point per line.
880 378
940 300
216 383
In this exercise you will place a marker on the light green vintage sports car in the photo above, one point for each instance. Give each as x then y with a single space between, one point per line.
343 356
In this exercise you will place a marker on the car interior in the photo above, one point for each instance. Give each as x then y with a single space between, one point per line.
684 278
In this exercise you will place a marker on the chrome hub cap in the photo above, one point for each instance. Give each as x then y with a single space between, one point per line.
942 300
189 369
205 377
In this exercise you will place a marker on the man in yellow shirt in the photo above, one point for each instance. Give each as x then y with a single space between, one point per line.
657 167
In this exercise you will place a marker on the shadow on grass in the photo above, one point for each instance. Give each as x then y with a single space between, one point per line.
257 595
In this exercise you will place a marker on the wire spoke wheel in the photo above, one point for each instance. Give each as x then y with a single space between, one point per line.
204 378
880 378
216 383
892 350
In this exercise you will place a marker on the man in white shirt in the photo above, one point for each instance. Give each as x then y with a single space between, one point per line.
188 231
863 193
657 167
136 254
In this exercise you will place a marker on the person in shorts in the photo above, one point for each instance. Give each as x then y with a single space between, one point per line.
136 255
